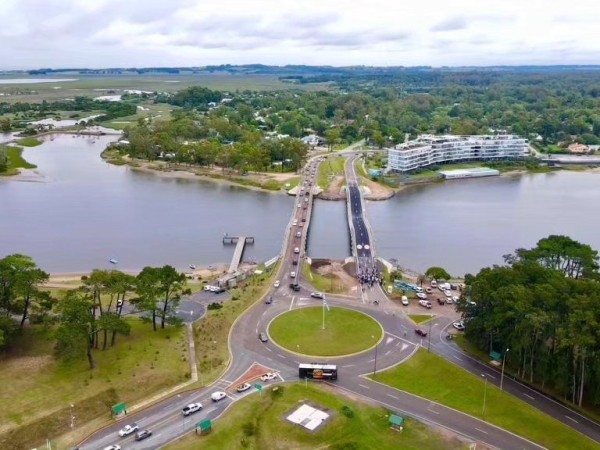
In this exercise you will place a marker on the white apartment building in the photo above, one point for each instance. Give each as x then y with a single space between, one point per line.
429 150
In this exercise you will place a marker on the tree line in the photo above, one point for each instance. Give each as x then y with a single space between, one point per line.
91 317
541 311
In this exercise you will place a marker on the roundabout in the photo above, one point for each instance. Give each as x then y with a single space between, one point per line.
336 332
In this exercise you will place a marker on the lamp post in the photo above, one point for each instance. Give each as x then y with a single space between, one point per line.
502 373
375 361
484 395
429 334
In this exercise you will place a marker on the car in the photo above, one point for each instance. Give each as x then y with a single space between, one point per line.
262 337
455 298
425 303
209 288
296 250
276 284
128 429
441 301
218 290
317 295
268 376
292 274
298 234
218 396
191 408
433 283
112 447
269 300
454 286
421 332
448 293
295 222
422 295
428 290
298 205
460 325
418 289
243 387
449 300
143 435
405 300
294 287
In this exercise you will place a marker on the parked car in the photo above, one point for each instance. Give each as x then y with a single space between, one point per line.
128 429
243 387
191 408
425 303
440 301
449 300
268 376
455 298
405 300
276 284
143 435
422 295
421 332
317 295
448 293
433 283
428 290
217 396
454 286
262 337
460 325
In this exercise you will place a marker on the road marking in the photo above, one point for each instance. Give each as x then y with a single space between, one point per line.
480 430
393 396
268 349
387 353
460 359
490 375
292 302
528 396
281 356
389 339
363 386
432 411
570 418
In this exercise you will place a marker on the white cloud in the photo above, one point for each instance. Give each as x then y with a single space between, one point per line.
101 33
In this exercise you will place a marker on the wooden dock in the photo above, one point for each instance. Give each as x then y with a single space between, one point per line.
240 244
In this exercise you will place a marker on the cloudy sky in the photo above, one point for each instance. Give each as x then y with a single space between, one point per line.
126 33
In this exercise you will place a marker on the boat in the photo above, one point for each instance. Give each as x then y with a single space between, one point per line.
192 266
113 261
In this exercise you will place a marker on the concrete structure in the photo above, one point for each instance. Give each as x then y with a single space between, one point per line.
240 242
429 150
578 148
468 173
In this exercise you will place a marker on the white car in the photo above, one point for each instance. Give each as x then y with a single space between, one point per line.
128 429
448 293
268 376
276 284
292 274
243 387
405 300
317 295
460 325
217 396
112 447
296 250
425 303
422 295
191 408
455 298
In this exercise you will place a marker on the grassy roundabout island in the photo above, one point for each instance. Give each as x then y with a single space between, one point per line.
346 331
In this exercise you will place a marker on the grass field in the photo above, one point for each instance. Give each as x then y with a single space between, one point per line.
323 283
328 169
431 377
29 142
345 332
15 160
258 423
139 365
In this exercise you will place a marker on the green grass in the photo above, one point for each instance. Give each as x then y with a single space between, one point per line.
141 364
323 283
29 142
15 160
420 318
346 331
434 378
328 169
258 422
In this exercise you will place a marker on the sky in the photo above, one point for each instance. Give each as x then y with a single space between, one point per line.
144 33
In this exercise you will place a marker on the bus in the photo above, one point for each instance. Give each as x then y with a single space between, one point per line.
318 371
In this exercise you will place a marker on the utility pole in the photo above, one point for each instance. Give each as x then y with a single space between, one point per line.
484 395
429 335
375 362
502 374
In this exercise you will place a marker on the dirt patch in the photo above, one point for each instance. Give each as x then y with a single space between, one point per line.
29 363
252 374
336 269
335 191
377 191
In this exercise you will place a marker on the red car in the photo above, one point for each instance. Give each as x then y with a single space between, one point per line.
421 332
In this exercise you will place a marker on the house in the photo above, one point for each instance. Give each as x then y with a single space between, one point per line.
578 148
313 140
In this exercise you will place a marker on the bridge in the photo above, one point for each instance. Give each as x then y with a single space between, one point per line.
240 243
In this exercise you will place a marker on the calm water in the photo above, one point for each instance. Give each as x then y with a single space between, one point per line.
329 235
89 211
468 224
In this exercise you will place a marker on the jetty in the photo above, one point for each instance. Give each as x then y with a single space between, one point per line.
240 244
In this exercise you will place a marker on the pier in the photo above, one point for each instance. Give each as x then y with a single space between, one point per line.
240 244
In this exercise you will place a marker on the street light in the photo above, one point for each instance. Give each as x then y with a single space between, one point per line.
375 363
484 395
429 334
502 374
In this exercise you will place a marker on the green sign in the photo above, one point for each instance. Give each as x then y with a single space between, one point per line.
259 387
119 409
204 426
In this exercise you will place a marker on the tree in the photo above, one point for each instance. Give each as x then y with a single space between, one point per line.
437 273
332 137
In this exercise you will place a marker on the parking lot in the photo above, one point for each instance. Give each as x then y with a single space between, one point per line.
445 309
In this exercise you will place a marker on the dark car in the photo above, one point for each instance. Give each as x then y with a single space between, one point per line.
295 262
143 435
441 301
421 332
269 300
218 290
294 287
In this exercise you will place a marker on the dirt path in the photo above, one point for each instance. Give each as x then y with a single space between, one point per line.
335 191
377 191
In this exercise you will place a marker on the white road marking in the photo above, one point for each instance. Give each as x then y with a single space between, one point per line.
528 396
292 302
570 418
491 376
268 349
432 411
480 430
387 353
363 386
393 396
460 359
281 356
389 339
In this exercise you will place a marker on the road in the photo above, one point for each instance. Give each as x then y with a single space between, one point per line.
398 344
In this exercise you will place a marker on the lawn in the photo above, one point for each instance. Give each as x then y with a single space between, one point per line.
329 169
258 422
141 364
434 378
323 283
29 142
346 331
15 160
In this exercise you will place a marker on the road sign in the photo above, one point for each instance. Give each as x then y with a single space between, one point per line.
259 387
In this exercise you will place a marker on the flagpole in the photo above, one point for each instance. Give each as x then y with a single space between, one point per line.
323 314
